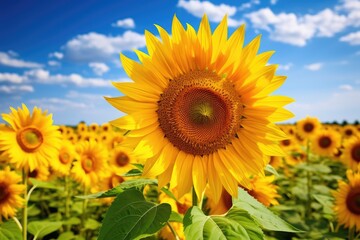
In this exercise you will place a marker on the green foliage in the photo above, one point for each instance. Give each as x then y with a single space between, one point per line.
236 224
10 231
42 228
131 217
263 216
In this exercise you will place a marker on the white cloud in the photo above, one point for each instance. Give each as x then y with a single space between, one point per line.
214 12
43 76
352 38
124 23
248 5
285 67
273 2
314 66
55 104
99 68
13 53
352 8
11 61
57 55
346 87
53 63
11 77
16 88
297 30
88 47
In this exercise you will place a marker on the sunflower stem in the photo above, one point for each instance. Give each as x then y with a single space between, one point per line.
351 233
173 231
194 198
67 202
83 218
25 213
309 181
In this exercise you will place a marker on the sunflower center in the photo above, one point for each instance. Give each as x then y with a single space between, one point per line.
199 112
308 127
348 132
353 201
122 159
29 139
285 142
324 142
355 153
34 173
4 192
64 157
87 164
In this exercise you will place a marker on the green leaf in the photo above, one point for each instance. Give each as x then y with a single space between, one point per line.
9 230
72 221
132 173
169 193
92 224
175 217
236 224
66 236
271 169
41 184
130 217
132 183
263 216
42 228
138 166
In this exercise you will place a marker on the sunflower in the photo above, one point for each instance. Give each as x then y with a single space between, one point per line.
264 190
81 127
308 126
348 131
295 156
41 173
325 142
121 160
92 163
347 201
94 127
276 161
201 102
351 153
66 156
31 140
10 193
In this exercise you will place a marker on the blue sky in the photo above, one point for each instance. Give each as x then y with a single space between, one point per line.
62 55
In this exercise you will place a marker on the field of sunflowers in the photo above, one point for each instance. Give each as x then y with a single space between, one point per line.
197 155
314 186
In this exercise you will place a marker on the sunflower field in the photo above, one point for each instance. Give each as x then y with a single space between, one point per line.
199 154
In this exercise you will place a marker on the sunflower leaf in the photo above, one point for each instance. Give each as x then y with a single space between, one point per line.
10 231
263 216
42 228
131 217
132 173
271 169
236 224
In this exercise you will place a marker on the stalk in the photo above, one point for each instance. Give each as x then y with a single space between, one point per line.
25 213
309 181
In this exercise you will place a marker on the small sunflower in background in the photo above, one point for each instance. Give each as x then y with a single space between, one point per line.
347 201
10 193
94 127
40 173
91 165
308 126
81 128
121 160
63 163
30 140
200 101
351 153
326 142
348 131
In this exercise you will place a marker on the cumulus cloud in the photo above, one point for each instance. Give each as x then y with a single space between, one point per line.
88 47
248 5
16 88
297 30
314 66
10 60
124 23
352 38
12 78
99 68
346 87
285 67
53 63
352 9
214 12
43 76
57 55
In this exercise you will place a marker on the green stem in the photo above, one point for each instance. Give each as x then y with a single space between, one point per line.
17 223
194 198
67 202
309 181
83 218
351 233
173 231
25 213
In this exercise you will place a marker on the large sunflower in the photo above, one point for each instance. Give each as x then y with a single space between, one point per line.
308 126
347 201
201 102
10 193
31 140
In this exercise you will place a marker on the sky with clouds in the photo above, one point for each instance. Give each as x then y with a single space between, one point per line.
63 55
